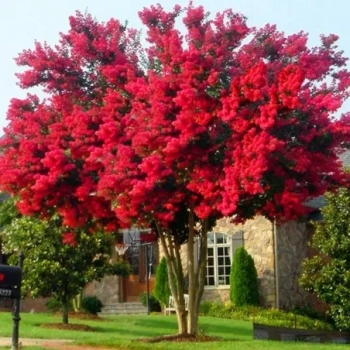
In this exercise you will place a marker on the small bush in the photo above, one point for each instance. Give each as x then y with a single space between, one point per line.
53 305
205 307
161 288
244 280
91 304
154 305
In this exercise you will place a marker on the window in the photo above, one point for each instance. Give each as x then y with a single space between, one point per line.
221 248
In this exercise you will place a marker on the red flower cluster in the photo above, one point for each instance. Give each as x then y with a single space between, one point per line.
69 239
225 119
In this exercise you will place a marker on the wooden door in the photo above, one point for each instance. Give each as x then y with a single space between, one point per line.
133 287
136 283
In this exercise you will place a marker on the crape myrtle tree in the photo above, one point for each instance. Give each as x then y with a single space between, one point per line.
58 263
219 119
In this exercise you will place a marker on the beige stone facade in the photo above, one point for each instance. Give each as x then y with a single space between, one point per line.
292 249
258 240
108 290
278 251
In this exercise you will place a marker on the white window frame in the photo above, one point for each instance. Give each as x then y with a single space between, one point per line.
230 239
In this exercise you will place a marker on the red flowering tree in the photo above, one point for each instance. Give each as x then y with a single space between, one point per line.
47 143
220 120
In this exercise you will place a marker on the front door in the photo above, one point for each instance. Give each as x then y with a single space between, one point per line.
137 255
133 287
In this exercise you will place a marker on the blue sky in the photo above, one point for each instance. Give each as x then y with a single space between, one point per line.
24 21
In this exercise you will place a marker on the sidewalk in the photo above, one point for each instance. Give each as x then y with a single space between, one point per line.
54 344
31 341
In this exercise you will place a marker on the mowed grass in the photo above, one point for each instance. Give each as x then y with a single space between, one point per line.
125 331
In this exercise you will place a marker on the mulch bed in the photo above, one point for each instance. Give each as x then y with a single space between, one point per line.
180 338
69 327
85 316
81 315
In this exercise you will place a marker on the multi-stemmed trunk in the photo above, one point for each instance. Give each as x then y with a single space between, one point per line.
177 269
196 273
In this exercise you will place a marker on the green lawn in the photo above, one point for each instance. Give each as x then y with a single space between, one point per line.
123 331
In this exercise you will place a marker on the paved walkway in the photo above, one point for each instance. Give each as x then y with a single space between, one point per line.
31 341
54 344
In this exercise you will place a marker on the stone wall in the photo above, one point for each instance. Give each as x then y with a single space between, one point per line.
258 241
292 249
27 305
218 295
108 290
34 305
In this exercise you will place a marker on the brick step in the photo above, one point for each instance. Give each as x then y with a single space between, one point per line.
123 308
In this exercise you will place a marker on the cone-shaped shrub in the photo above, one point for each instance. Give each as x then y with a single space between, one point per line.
161 288
243 279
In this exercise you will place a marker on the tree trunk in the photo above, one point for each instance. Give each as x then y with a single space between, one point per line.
187 321
65 311
196 273
77 302
175 276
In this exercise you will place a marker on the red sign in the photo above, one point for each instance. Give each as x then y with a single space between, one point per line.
2 277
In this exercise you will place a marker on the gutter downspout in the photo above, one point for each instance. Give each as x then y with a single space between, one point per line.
274 234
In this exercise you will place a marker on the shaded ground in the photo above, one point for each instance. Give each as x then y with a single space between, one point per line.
69 327
180 338
65 344
82 315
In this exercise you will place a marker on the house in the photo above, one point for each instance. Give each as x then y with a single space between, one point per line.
113 289
277 249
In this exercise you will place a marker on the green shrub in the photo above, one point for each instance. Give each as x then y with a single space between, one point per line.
154 305
205 307
53 305
326 274
161 287
91 304
270 317
243 280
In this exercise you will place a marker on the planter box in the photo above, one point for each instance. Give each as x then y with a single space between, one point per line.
261 331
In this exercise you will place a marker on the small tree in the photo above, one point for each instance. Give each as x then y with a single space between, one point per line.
59 264
161 288
327 275
243 279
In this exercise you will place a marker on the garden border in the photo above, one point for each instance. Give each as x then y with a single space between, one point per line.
264 332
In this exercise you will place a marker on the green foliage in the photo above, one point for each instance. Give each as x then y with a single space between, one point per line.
270 317
53 268
328 274
154 305
161 288
8 210
91 304
243 279
53 305
121 268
